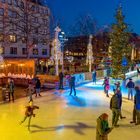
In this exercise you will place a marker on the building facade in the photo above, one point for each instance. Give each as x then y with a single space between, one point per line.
24 29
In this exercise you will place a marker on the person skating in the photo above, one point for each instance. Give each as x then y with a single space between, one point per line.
106 86
115 106
30 90
94 76
11 89
61 76
38 86
103 129
72 85
130 85
118 90
136 110
29 113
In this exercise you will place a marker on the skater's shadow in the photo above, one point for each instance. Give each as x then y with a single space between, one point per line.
77 101
78 128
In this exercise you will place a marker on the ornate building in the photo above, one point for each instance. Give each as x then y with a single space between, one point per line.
24 33
24 29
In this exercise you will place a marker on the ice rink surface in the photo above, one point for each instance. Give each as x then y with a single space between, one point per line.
64 117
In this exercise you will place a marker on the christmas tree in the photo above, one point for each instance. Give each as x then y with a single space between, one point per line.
119 48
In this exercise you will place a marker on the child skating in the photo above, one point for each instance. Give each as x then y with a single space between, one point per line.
29 113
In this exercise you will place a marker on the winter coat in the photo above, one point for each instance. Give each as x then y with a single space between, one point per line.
94 76
137 100
116 101
30 109
38 84
61 76
102 129
11 86
72 81
130 84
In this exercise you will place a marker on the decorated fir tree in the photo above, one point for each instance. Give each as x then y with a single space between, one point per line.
120 47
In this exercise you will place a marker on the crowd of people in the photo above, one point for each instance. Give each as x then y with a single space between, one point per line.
102 129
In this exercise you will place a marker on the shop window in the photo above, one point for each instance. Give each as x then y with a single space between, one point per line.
1 37
13 50
24 50
35 51
44 51
12 38
1 11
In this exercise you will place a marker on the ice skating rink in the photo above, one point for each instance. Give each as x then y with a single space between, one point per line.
64 117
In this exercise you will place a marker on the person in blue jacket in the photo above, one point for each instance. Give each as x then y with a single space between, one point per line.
94 77
137 105
130 85
72 85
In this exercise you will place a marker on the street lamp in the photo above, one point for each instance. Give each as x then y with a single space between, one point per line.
89 59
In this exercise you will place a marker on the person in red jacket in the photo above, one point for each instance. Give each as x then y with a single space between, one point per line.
29 113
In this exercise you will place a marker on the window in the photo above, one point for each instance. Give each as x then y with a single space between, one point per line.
15 2
13 50
3 1
46 12
35 51
14 27
44 41
35 19
23 39
24 50
35 41
45 21
33 8
1 37
22 4
9 2
9 13
44 51
45 32
1 11
12 13
12 38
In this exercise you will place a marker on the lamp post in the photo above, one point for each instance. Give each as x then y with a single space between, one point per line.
89 58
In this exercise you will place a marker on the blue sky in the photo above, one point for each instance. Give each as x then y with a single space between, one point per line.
66 11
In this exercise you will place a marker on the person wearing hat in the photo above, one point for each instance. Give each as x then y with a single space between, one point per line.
29 113
103 129
130 85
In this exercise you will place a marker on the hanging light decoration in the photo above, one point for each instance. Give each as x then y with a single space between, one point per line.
89 59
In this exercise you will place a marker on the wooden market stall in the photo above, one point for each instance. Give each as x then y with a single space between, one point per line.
20 70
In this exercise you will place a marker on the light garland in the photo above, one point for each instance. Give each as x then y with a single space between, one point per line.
89 59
